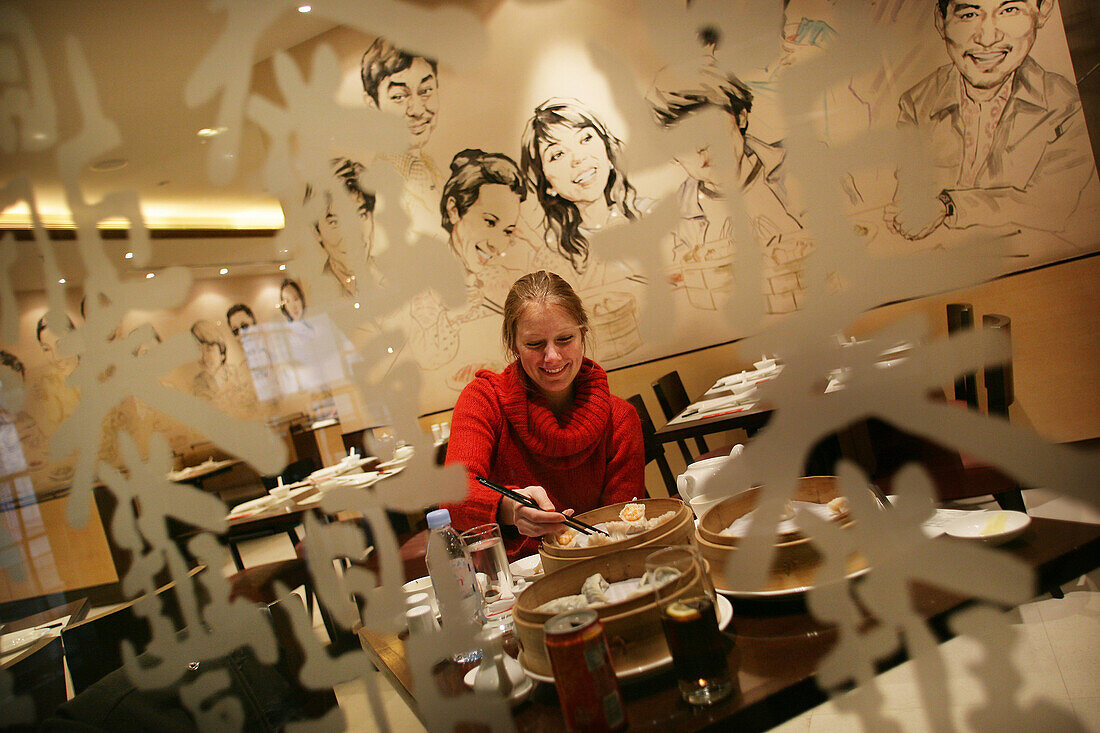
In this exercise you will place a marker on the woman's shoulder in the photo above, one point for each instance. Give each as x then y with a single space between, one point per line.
486 386
621 411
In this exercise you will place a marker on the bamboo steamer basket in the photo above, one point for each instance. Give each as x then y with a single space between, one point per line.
677 530
815 489
796 560
632 627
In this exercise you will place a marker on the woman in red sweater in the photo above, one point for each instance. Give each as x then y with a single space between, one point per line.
547 426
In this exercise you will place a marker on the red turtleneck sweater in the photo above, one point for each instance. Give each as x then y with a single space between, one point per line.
506 432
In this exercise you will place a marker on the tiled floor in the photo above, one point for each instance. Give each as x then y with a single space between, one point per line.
1056 649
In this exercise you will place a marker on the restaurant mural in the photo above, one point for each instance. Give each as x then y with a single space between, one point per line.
699 172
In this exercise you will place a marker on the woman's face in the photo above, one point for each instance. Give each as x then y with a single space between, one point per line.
293 303
575 163
550 344
486 229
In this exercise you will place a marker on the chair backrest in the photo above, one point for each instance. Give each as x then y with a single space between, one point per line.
39 673
93 646
960 317
671 395
998 377
673 398
654 450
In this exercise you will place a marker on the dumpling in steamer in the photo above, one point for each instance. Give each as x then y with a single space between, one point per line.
564 604
632 513
595 589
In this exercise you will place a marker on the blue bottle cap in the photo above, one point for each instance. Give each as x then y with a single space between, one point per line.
438 518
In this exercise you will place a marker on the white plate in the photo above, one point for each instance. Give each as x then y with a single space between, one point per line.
527 567
17 640
393 463
353 480
253 506
725 615
992 527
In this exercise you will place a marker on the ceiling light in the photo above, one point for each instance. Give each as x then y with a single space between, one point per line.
109 164
129 255
389 349
150 275
223 271
61 281
304 8
282 267
356 306
211 131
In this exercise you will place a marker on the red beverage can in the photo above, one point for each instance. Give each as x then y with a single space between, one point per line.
587 688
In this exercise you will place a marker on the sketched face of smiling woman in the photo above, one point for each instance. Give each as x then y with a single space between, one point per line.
575 163
486 229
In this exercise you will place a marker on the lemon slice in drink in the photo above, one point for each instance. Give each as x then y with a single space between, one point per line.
680 611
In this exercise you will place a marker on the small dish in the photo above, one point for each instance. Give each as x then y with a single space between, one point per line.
527 567
991 527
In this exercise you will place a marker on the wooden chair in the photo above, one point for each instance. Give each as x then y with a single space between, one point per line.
955 475
654 449
673 398
92 646
38 673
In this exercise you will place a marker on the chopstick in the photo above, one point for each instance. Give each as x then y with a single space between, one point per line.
529 502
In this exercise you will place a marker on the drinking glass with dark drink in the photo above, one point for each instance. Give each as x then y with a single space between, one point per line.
690 623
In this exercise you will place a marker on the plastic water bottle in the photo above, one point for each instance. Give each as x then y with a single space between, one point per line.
450 567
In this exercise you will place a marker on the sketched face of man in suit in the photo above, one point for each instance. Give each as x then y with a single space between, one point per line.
987 40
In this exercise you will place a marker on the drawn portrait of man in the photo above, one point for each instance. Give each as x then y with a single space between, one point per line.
1007 138
399 83
239 317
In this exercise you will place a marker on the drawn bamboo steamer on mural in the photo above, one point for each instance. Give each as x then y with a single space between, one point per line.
708 284
615 325
784 283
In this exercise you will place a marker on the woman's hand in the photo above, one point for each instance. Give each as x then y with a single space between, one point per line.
533 522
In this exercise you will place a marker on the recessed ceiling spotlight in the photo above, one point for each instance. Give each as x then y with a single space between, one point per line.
129 255
150 275
356 306
109 164
282 267
223 271
304 8
389 349
61 281
212 131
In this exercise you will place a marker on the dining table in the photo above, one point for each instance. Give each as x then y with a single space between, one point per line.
731 403
276 515
198 474
774 644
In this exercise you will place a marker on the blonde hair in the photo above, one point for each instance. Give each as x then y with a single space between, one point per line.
544 288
